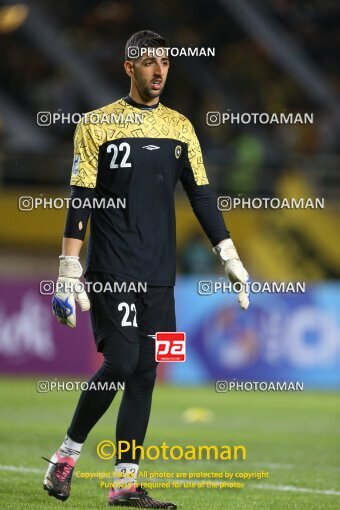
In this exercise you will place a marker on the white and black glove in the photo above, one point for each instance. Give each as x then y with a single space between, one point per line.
234 269
68 290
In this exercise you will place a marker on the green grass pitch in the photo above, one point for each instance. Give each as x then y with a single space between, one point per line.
293 436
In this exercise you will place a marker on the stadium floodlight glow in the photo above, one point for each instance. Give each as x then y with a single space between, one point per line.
12 17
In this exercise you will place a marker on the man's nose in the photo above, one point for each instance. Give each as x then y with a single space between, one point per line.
159 69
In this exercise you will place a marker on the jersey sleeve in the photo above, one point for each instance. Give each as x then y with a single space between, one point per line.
85 159
202 199
194 160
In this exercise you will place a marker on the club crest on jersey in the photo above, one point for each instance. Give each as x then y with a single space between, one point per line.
178 151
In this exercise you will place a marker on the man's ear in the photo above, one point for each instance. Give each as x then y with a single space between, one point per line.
129 68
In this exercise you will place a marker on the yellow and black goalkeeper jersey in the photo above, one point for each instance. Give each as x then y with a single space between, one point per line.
137 154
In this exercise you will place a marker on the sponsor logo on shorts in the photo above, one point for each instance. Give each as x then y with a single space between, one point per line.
170 346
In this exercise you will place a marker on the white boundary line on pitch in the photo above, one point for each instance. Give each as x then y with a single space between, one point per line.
283 488
21 469
291 488
262 465
286 488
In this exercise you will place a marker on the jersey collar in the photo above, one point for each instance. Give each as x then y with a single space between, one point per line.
131 102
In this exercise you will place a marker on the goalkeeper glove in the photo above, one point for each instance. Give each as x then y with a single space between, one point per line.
63 301
234 269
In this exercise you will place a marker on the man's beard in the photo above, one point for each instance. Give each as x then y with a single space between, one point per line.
146 94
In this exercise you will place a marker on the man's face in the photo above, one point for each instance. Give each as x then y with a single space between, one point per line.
149 73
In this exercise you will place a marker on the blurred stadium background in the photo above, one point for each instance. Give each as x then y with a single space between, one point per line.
271 56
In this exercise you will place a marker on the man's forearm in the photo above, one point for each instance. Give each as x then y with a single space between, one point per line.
71 247
77 219
204 204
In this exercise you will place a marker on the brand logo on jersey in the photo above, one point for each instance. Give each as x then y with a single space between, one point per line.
170 346
178 151
151 147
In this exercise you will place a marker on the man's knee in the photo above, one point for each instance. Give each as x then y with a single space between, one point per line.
120 358
117 370
144 377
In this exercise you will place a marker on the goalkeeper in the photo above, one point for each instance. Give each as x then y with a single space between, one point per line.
141 164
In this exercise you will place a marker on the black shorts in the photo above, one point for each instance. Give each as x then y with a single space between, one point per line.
127 314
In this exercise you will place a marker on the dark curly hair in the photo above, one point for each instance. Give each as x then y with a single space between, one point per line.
144 39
